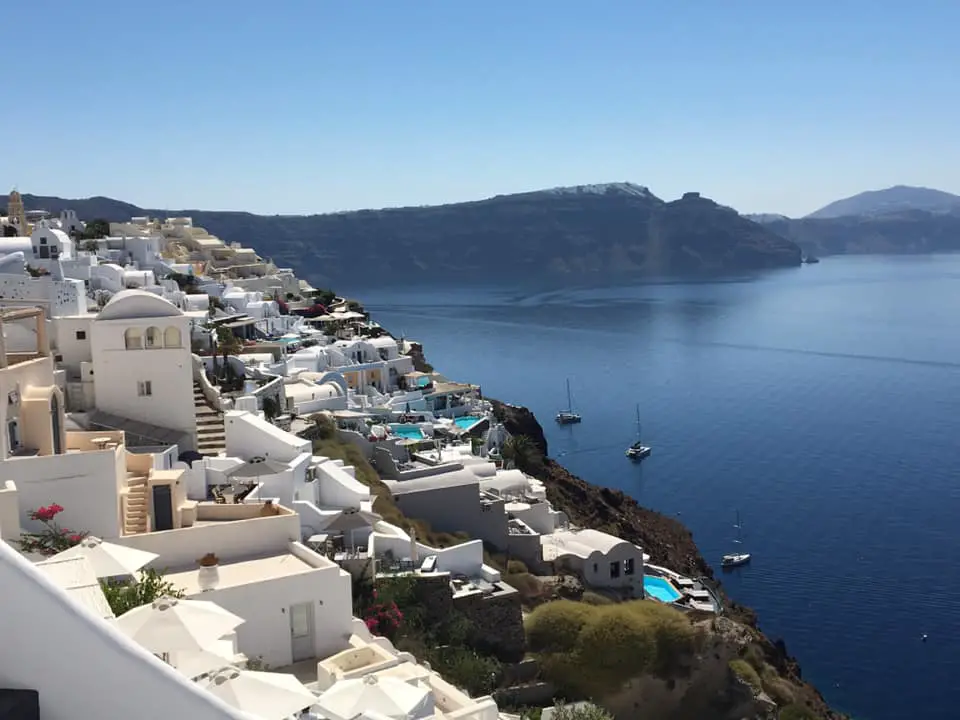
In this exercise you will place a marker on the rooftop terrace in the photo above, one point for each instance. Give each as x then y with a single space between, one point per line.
244 572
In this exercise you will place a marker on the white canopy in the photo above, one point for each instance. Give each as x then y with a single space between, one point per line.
267 695
170 624
384 695
108 559
194 663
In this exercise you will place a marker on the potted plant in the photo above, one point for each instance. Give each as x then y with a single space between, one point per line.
209 573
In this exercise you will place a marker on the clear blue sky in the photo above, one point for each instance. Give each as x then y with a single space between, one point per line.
321 105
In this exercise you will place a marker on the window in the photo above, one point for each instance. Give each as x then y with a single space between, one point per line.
133 339
43 241
596 568
171 337
144 388
628 566
615 569
81 334
154 338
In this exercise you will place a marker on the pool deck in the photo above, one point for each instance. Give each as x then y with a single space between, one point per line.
693 594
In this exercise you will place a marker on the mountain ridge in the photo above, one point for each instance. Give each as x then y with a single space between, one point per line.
606 228
895 199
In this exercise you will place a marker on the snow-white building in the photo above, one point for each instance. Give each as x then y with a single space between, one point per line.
142 363
297 604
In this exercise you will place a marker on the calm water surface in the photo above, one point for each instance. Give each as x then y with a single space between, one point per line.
821 402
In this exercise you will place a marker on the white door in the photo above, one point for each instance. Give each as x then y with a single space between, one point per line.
301 631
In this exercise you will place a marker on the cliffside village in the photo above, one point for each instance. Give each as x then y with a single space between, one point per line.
161 397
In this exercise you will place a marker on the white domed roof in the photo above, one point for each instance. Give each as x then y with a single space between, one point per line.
130 304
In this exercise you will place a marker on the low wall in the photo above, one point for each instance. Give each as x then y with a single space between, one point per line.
498 623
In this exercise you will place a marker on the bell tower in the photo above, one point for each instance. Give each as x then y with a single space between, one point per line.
16 214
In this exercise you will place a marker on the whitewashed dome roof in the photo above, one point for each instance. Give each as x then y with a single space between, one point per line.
136 304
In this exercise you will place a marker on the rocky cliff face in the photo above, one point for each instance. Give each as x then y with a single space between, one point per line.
600 230
710 689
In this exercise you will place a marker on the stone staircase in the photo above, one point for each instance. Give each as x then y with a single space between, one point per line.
137 508
211 433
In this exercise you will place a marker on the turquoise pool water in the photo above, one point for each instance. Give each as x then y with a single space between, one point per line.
408 432
465 421
660 589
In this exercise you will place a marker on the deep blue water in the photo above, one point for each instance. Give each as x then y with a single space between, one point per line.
823 403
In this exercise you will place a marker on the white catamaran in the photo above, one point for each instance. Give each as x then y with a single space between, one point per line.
638 451
568 416
736 559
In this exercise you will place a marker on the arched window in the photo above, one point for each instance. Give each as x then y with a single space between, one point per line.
154 338
133 339
171 337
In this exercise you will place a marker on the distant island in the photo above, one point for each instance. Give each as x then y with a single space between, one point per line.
899 219
585 231
589 230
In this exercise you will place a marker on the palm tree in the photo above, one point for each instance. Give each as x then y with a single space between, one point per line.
521 452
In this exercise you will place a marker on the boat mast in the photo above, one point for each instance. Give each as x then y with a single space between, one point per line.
638 424
569 400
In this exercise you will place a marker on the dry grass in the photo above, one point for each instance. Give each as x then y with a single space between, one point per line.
744 670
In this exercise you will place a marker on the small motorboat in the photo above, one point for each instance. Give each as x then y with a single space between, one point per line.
734 560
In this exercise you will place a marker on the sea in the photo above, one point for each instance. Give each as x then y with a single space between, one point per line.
820 403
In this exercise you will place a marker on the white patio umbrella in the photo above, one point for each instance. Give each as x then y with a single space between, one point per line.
171 624
267 695
108 559
194 663
387 696
414 548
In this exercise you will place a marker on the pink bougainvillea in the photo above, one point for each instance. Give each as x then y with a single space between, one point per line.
51 538
383 619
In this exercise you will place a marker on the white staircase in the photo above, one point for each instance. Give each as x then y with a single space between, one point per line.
136 506
211 433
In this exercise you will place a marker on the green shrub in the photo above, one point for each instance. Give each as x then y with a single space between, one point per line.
797 712
675 636
529 587
744 670
754 655
588 650
585 711
124 595
619 642
516 567
779 690
555 627
466 669
592 598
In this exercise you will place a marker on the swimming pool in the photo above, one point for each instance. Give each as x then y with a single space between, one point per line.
660 589
408 432
466 421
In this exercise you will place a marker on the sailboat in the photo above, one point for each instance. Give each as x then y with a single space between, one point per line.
735 559
568 416
638 451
